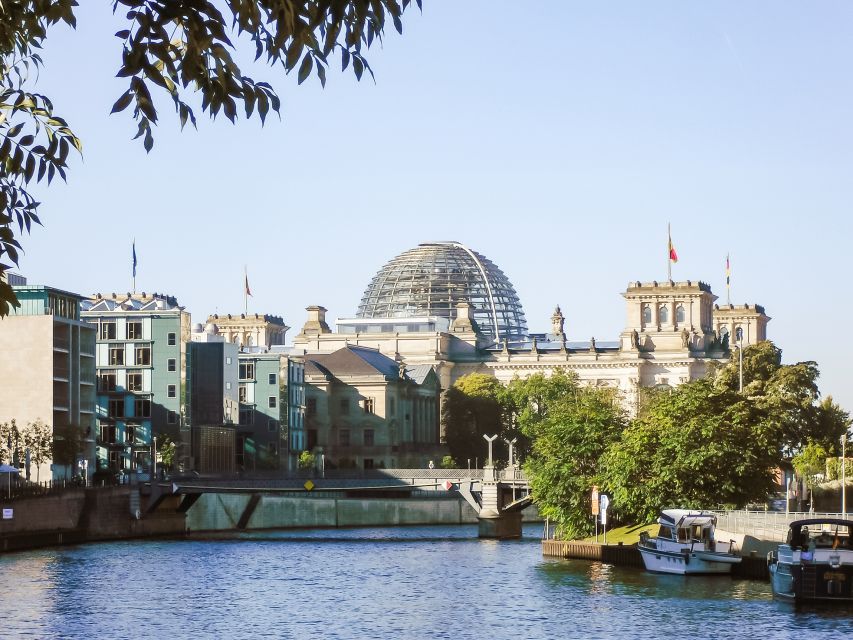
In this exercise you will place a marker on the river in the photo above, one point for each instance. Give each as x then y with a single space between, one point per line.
401 583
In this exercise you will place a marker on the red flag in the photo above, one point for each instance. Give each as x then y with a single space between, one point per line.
248 290
672 254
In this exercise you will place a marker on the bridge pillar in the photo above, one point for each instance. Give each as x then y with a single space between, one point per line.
492 520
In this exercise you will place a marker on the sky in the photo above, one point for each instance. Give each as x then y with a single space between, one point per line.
556 138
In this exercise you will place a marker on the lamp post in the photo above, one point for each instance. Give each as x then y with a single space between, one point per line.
844 475
739 338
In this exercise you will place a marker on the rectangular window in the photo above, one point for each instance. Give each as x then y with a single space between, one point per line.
368 437
311 407
108 330
108 433
228 386
107 382
247 371
172 364
312 439
344 404
271 425
171 340
369 405
273 402
343 437
392 407
272 378
130 434
246 416
115 408
172 417
142 408
134 330
171 390
227 359
117 356
143 355
242 393
134 381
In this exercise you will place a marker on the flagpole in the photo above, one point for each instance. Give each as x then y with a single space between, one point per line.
245 290
134 265
668 252
728 281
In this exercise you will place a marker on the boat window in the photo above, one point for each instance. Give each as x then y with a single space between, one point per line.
683 535
664 532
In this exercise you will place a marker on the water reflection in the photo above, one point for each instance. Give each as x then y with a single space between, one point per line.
418 582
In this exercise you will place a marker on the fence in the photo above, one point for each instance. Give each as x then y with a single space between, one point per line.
765 525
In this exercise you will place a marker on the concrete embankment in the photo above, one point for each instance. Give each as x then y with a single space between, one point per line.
624 555
85 515
223 512
115 513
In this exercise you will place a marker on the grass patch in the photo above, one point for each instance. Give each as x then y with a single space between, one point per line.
626 535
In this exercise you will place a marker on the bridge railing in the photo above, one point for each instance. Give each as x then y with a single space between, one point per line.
764 525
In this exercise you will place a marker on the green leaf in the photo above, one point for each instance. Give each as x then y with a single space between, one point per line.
305 68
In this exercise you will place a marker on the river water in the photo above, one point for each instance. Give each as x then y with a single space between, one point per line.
401 583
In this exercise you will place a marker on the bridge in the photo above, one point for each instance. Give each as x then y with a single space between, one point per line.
497 497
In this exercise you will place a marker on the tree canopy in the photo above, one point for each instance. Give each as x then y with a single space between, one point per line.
171 48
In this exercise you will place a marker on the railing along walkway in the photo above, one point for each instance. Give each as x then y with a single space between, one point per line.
765 525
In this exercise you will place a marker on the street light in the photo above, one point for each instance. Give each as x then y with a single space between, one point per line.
844 475
739 338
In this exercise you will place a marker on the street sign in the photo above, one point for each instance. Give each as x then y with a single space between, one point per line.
604 502
594 500
308 485
448 485
8 514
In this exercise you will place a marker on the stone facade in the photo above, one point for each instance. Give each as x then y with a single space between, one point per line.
252 330
672 333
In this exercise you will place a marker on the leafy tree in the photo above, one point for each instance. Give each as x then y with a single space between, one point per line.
786 397
167 450
38 439
472 408
10 437
447 462
810 462
564 462
170 48
307 460
67 440
696 446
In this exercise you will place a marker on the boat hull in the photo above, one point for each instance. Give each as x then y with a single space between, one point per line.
687 563
812 582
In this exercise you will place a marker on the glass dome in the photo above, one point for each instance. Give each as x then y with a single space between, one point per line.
432 278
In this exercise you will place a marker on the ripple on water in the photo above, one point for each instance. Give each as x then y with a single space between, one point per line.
418 582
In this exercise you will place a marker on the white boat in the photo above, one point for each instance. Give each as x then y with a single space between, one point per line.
685 545
816 562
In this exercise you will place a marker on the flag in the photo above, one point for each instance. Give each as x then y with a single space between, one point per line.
248 291
134 258
673 256
728 271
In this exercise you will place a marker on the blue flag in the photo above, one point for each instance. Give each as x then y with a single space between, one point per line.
134 258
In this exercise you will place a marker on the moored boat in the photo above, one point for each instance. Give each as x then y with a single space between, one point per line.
816 562
686 545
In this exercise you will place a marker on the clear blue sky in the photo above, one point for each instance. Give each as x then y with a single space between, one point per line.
556 138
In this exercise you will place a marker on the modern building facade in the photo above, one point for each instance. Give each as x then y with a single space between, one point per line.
141 373
262 428
673 331
365 410
47 371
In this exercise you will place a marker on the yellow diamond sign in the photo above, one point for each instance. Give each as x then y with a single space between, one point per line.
308 485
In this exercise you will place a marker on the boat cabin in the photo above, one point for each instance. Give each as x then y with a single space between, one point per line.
819 533
681 525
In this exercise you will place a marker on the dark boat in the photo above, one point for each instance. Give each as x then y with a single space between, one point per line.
816 562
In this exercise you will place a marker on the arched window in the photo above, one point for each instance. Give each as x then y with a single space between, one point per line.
679 314
647 314
663 314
